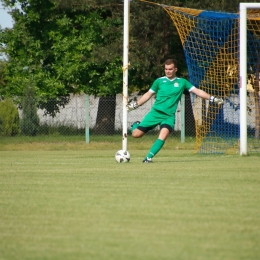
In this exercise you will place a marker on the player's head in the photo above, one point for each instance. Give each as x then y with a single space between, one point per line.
170 68
171 61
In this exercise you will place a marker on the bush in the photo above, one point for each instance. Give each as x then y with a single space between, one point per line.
30 121
9 118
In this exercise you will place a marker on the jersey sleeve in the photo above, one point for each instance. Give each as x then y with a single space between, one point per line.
155 86
191 88
188 85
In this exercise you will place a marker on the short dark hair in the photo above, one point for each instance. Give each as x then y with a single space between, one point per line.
171 61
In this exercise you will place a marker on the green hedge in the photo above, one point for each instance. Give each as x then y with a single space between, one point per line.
30 120
9 118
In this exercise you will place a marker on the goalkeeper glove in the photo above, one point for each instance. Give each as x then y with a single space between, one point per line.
131 105
218 101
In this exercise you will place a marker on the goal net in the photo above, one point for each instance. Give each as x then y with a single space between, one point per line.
211 46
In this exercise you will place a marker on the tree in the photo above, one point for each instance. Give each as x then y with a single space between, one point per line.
57 45
2 77
75 46
151 40
79 49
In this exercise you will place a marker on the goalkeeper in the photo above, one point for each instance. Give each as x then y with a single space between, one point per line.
168 91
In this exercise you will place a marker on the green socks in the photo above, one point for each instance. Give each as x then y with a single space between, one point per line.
156 147
134 126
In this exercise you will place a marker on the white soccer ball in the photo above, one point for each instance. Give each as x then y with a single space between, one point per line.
122 156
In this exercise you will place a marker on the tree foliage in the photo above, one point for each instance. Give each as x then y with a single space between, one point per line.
153 37
2 77
74 46
57 47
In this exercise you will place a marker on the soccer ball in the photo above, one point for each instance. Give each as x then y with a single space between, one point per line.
122 156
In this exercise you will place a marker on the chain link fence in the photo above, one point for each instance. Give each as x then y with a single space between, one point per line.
91 117
101 119
103 116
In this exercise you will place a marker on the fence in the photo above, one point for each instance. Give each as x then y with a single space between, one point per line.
91 117
103 116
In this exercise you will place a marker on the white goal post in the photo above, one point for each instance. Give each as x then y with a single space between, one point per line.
125 71
243 73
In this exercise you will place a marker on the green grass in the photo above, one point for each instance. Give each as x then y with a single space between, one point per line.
73 201
61 142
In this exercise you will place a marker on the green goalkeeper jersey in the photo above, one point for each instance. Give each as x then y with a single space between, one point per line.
168 93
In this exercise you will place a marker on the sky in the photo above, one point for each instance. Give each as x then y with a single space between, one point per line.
5 18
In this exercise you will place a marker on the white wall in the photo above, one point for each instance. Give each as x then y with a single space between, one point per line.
74 113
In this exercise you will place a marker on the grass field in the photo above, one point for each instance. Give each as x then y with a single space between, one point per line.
69 200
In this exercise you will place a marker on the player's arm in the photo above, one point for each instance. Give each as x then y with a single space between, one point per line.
200 93
205 95
131 105
145 97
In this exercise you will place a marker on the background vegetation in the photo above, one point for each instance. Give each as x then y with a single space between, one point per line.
71 46
76 46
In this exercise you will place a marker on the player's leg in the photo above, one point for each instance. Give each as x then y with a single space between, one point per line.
138 129
134 126
166 126
136 133
158 144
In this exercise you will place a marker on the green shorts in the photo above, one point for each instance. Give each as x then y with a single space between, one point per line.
155 118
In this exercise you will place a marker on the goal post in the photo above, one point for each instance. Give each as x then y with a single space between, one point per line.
222 52
243 73
125 71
